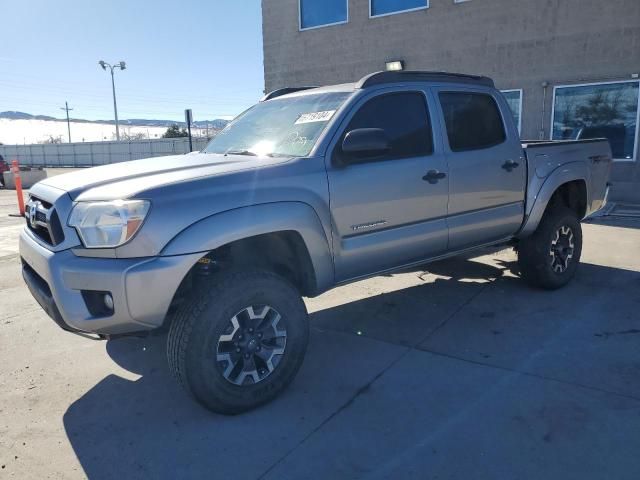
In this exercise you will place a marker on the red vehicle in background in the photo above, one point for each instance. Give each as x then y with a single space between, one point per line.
4 167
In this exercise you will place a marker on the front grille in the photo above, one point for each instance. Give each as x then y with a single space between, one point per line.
46 205
43 221
42 233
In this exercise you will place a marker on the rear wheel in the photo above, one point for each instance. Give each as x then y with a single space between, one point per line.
550 256
239 342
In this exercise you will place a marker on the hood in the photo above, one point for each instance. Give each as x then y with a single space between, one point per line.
123 180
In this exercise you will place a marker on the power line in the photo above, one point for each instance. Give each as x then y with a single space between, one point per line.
66 108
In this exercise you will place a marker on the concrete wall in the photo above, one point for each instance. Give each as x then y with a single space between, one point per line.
27 177
520 43
89 154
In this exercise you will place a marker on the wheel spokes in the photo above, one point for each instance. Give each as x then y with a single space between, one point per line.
252 345
236 326
562 249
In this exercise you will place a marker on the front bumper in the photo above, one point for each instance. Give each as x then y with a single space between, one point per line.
142 289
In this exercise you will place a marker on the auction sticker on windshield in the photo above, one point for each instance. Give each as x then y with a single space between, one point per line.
315 117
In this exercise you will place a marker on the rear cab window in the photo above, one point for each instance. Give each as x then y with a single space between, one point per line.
473 120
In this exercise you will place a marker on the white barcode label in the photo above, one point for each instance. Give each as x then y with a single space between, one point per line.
315 117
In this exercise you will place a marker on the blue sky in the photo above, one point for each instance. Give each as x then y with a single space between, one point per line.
199 54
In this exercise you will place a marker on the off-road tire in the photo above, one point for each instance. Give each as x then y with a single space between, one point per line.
200 321
535 259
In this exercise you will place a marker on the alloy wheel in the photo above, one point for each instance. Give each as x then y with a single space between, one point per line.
562 249
252 345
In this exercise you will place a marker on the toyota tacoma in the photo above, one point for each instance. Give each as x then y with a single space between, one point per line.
309 189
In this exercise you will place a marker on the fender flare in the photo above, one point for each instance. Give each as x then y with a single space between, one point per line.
568 172
244 222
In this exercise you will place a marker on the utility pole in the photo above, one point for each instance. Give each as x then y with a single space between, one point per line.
66 108
188 118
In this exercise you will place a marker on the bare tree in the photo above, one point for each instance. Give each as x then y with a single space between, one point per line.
127 136
51 139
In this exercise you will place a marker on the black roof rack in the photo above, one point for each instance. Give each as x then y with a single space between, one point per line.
380 78
284 91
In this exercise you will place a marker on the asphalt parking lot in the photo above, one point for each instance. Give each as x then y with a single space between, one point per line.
454 371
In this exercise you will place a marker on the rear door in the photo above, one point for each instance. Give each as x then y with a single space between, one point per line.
487 169
385 212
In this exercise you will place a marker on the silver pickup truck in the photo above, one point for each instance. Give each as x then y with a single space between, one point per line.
309 189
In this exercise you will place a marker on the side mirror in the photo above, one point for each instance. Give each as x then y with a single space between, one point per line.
364 143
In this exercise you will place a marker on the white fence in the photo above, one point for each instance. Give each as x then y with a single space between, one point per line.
89 154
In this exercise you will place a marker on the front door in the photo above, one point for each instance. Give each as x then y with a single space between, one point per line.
389 210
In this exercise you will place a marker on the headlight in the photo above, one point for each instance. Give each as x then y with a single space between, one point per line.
108 224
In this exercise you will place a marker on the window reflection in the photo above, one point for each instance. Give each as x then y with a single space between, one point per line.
386 7
598 111
514 99
318 13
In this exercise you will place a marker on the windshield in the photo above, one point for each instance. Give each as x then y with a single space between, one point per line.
279 127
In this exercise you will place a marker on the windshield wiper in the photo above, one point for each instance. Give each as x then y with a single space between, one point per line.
241 152
254 154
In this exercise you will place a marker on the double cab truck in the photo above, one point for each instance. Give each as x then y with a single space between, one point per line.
309 189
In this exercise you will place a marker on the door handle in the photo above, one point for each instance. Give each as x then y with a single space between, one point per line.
510 165
434 176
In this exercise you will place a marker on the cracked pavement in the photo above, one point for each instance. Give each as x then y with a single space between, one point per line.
454 370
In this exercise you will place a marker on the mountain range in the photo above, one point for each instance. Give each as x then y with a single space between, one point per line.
216 124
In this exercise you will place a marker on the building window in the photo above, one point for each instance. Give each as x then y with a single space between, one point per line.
322 13
378 8
473 121
608 110
514 99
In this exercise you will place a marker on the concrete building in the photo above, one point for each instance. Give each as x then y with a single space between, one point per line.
570 67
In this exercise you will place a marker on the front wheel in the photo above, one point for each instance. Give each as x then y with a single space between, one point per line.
550 256
237 344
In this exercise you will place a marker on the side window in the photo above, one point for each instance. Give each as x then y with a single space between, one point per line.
473 120
404 118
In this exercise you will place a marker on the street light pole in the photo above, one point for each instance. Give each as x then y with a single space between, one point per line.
115 104
121 66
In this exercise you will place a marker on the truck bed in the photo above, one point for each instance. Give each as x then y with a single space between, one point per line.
593 157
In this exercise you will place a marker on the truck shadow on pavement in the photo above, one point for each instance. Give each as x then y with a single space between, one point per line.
146 426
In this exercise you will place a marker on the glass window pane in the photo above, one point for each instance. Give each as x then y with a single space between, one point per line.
473 121
382 7
598 111
515 102
403 117
315 13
